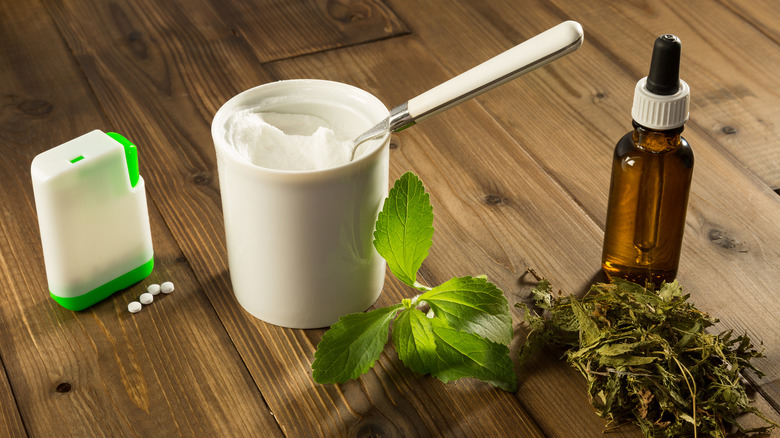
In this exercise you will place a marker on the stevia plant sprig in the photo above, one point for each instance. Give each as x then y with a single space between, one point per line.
465 331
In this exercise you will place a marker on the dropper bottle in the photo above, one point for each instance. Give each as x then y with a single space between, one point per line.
651 177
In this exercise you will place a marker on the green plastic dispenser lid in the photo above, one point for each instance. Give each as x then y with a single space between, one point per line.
131 156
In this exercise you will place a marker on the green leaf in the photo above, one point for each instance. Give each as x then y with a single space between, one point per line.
462 354
626 360
470 325
542 294
473 305
431 346
404 228
621 348
589 331
415 342
670 291
352 345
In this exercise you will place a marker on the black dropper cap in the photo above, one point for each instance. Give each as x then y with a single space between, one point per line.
664 77
662 99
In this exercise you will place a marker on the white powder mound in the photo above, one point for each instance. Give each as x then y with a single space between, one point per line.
286 141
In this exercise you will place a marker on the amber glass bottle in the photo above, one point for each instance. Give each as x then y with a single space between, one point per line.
651 177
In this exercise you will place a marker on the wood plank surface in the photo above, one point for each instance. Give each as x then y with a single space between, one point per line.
477 199
734 93
279 359
728 237
517 178
282 29
10 420
734 85
471 234
102 371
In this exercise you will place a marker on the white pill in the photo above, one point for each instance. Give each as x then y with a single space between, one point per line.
134 307
166 287
146 298
153 289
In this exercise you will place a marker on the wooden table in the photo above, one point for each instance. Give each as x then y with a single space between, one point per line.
519 177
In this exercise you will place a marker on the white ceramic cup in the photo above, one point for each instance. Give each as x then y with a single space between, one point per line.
300 243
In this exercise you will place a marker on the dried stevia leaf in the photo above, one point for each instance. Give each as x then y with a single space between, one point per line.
648 359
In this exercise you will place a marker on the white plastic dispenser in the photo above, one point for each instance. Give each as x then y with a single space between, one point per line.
93 218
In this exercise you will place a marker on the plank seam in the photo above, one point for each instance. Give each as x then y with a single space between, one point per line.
13 394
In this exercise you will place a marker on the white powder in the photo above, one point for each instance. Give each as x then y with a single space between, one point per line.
286 141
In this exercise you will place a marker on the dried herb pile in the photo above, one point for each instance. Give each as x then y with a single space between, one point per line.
648 359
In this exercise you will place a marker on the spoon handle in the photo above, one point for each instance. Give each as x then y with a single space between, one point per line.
517 61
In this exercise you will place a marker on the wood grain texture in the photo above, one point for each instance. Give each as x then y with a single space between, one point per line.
10 420
278 359
517 178
102 371
732 74
479 209
282 29
723 252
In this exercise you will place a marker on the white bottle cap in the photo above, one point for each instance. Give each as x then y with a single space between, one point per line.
661 112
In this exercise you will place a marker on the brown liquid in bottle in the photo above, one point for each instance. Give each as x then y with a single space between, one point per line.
648 199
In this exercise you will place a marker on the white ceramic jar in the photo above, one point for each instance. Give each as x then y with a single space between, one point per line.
300 243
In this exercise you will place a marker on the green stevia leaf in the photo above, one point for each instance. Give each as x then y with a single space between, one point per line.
629 287
414 341
404 228
462 354
542 294
626 360
473 305
352 345
618 349
670 291
466 331
589 331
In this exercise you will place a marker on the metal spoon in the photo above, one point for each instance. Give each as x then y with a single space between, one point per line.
517 61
